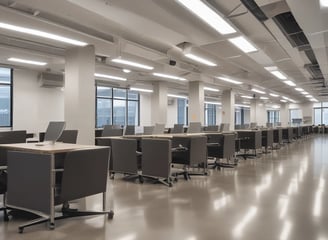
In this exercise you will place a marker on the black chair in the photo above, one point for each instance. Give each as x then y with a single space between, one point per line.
148 130
68 136
177 128
111 131
89 178
221 146
130 130
212 128
7 137
124 158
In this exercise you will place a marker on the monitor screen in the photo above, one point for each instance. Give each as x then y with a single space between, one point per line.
54 131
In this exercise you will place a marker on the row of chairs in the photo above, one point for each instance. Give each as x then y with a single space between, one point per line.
194 127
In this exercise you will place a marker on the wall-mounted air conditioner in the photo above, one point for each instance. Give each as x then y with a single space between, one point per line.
51 80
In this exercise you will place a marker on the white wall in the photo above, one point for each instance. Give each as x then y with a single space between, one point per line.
34 106
172 113
145 109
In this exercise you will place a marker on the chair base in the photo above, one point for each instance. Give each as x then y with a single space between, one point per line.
66 213
165 181
5 214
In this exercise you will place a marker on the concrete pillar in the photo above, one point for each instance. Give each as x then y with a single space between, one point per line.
196 102
258 113
159 103
79 110
284 114
228 108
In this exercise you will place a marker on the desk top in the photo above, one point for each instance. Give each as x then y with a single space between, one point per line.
48 148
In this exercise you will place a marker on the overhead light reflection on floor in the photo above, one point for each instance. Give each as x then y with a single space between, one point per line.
317 207
285 230
237 231
221 202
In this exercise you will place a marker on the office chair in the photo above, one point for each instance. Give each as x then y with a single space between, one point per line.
89 178
7 137
159 128
177 128
111 131
129 130
148 130
124 158
194 127
156 160
224 127
68 136
221 147
212 128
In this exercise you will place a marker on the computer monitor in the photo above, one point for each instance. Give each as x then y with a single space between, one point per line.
54 131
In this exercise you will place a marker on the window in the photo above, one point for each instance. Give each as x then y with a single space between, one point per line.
182 111
321 113
117 106
210 114
242 115
5 97
273 116
295 116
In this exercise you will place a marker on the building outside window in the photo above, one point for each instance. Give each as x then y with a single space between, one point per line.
210 114
5 97
273 117
116 106
182 111
242 115
321 113
295 116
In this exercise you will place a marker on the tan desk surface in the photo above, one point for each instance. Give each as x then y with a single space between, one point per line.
170 135
48 148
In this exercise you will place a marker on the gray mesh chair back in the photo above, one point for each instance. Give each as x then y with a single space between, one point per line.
269 125
124 156
253 125
68 136
237 126
194 127
111 131
224 127
159 128
177 128
129 130
213 128
148 130
85 173
156 158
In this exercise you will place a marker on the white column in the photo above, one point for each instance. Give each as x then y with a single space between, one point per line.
159 103
258 113
284 114
196 102
228 108
79 93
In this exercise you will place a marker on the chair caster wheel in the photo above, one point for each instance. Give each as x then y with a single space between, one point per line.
170 185
20 230
51 226
141 180
110 215
6 218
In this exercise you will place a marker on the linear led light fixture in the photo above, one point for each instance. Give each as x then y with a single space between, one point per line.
126 70
248 97
264 98
283 100
271 68
169 76
286 98
133 64
41 34
243 44
279 75
324 3
200 60
141 90
208 15
274 95
290 83
177 96
309 96
211 89
314 100
229 80
214 103
305 93
26 61
241 105
109 77
258 91
299 89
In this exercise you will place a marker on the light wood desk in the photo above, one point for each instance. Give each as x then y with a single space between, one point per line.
31 178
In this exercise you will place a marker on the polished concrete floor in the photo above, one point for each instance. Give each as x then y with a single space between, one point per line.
281 195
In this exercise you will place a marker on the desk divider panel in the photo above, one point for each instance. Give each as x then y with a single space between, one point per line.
29 181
